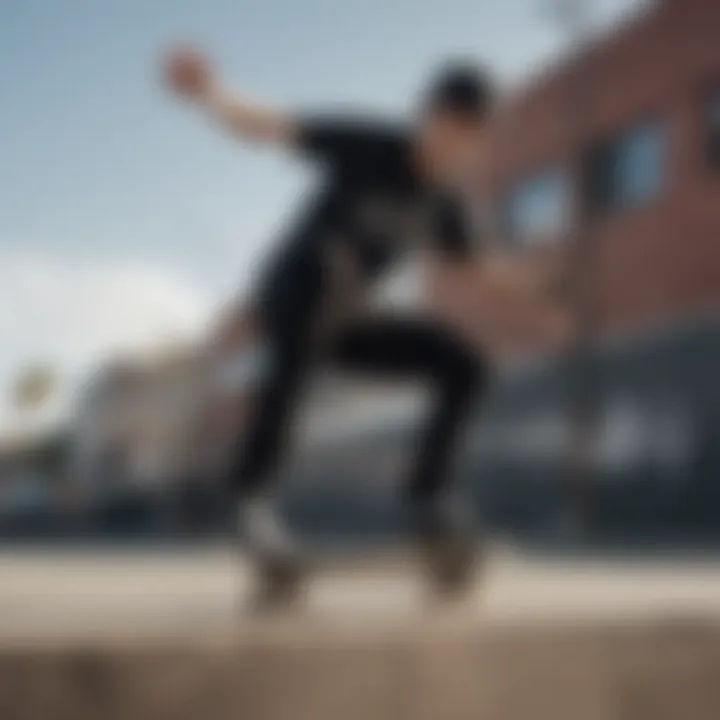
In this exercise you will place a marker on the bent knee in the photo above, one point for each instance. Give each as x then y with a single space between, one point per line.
469 368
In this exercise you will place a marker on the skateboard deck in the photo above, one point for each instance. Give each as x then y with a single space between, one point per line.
371 565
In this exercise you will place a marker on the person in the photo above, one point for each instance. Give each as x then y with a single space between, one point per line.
388 189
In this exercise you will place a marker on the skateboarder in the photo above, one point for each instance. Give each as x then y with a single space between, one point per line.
387 189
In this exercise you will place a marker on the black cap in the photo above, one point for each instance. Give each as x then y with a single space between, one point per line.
463 88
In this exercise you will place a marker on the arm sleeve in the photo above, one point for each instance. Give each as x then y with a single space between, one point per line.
454 231
340 141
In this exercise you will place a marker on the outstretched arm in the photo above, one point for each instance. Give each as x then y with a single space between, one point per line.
189 73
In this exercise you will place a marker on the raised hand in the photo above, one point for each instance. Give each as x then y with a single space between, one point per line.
188 72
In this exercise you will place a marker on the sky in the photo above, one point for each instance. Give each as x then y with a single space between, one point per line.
127 218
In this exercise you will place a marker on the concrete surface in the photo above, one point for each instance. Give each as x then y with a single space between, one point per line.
158 635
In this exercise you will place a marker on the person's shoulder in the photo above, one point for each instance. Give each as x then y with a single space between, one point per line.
388 131
350 134
392 132
390 138
392 129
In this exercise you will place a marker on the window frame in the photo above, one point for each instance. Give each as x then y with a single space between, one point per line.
552 170
597 187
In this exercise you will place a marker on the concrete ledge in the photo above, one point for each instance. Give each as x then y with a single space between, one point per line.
446 669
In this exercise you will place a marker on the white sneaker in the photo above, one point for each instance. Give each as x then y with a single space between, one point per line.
263 530
276 555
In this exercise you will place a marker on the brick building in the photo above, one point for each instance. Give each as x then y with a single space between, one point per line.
648 170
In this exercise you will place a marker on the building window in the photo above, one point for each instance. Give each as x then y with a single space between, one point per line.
629 170
536 209
712 119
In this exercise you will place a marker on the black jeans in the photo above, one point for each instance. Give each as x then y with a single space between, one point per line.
388 346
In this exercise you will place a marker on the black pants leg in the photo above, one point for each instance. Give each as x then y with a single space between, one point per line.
288 327
417 348
387 346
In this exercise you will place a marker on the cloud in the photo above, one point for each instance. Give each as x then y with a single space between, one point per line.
74 313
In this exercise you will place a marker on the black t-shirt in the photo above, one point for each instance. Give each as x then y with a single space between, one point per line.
371 198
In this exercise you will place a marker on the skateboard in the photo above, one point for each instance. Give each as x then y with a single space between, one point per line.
449 574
